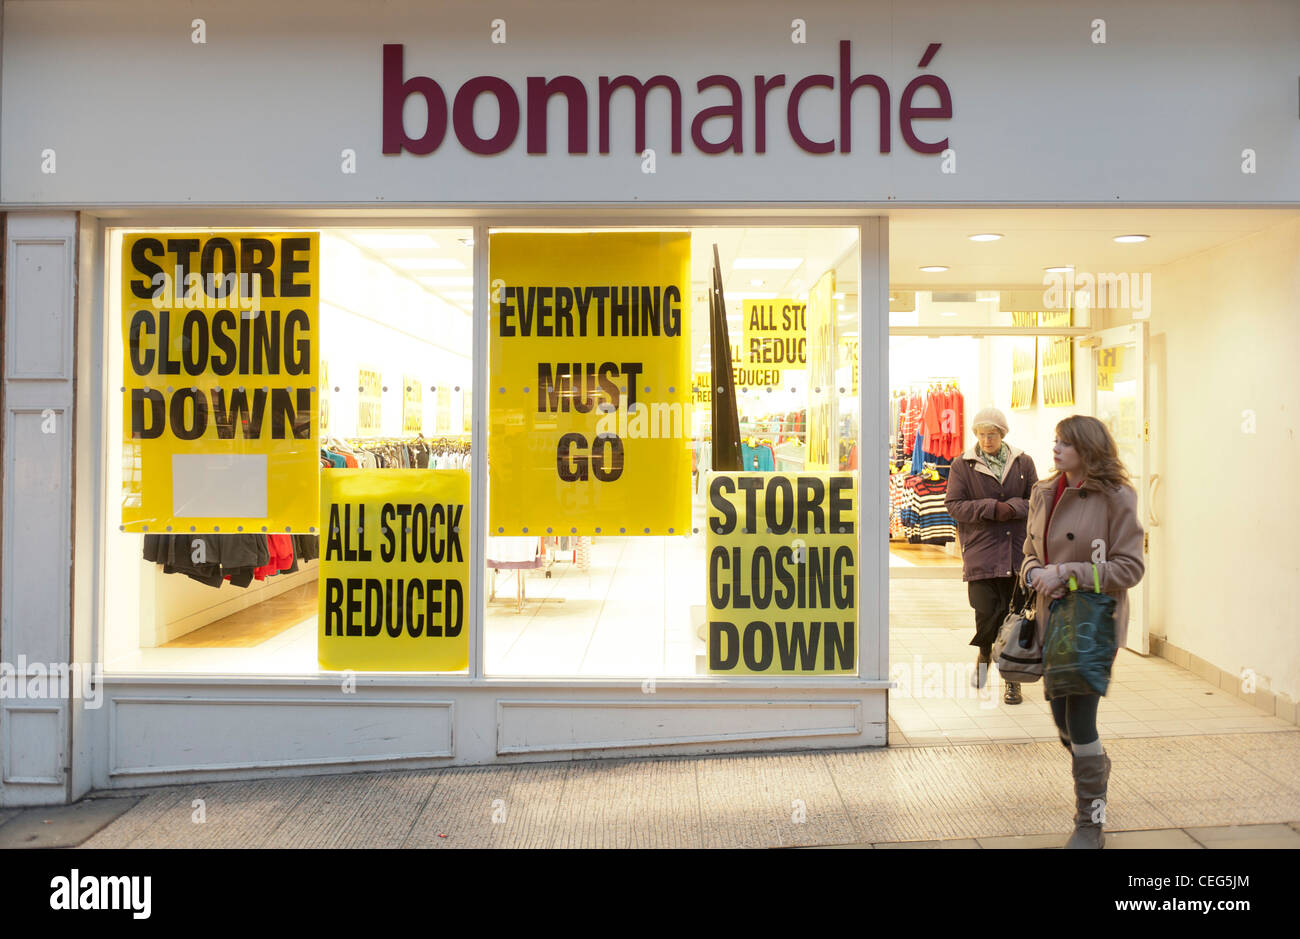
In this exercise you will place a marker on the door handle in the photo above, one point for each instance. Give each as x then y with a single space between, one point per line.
1152 485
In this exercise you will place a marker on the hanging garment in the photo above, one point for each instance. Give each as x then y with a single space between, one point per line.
930 521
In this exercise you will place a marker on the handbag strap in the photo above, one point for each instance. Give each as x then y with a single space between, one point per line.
1096 581
1028 597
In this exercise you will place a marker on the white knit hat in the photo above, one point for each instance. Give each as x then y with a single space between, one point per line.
993 417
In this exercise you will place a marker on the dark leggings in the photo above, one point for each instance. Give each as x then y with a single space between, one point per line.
1076 716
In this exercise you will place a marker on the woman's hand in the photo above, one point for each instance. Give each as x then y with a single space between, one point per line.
1048 580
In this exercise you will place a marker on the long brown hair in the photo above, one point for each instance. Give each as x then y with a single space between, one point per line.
1096 449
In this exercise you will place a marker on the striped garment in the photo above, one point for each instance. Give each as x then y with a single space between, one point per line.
925 518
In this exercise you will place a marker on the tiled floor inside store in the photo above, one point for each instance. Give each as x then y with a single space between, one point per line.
930 627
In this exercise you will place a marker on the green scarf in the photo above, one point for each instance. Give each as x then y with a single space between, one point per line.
995 461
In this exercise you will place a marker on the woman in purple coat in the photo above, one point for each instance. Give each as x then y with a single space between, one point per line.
988 497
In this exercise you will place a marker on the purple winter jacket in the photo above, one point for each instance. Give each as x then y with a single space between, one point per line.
990 548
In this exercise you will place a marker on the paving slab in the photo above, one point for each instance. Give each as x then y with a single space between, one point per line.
241 814
492 807
1161 838
60 826
1247 836
374 810
1026 841
1275 755
1197 782
770 800
630 804
917 794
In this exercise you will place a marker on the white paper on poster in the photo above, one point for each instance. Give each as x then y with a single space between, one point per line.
231 485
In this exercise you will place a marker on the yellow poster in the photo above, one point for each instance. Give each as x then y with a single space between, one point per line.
782 574
746 376
1024 362
823 349
394 570
220 404
412 405
775 334
701 389
590 383
370 400
1056 362
1110 360
849 356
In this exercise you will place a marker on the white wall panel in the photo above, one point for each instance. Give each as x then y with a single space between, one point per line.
542 726
169 734
32 743
39 325
36 550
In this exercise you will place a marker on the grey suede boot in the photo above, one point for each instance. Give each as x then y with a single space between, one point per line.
1091 774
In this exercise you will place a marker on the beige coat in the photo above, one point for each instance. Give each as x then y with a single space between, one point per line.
1084 516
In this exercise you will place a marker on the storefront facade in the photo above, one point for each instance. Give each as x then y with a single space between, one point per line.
768 134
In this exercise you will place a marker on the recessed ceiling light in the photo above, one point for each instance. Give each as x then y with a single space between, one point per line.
893 298
1059 270
934 269
766 264
948 313
757 282
988 236
838 296
1130 239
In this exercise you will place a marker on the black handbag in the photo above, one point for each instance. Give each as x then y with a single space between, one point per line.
1016 652
1080 643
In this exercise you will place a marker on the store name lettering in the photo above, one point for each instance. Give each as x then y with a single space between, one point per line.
531 116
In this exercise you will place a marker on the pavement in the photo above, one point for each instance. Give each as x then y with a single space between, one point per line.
1238 790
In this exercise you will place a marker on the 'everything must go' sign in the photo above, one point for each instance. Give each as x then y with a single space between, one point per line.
590 388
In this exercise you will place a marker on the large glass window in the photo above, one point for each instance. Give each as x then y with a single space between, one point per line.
623 366
604 594
393 374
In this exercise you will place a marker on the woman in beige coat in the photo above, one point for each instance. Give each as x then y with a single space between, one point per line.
1085 513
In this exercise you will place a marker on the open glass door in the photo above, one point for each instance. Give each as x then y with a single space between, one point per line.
1119 400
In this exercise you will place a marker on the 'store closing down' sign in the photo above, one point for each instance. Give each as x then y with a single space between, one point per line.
590 388
782 573
219 400
394 571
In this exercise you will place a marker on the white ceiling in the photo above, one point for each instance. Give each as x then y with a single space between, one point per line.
1037 238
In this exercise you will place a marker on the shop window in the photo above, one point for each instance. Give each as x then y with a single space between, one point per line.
390 314
602 442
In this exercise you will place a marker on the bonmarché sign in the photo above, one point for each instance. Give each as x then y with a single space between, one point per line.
724 122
